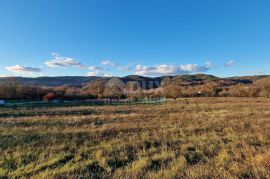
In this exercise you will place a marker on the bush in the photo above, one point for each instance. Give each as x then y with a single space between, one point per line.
10 164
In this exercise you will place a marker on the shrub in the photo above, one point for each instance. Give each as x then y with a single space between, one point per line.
27 158
9 164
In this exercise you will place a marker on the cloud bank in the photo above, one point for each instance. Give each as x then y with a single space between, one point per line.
166 69
98 73
108 63
210 64
107 66
94 68
60 61
230 63
23 69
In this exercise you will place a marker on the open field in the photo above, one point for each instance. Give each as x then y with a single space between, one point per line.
187 138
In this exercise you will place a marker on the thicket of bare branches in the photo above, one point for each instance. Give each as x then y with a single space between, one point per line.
98 89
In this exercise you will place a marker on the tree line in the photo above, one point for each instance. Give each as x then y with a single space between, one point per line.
98 90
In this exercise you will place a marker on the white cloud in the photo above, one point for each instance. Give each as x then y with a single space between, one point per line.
94 68
98 73
107 75
1 76
60 61
108 63
23 69
166 69
93 73
230 63
209 64
124 68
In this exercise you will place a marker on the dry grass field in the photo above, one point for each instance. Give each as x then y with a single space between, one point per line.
187 138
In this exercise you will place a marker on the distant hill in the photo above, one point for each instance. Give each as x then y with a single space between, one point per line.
180 79
263 81
49 81
248 79
133 86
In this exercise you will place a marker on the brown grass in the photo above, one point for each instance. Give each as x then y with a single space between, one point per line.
187 138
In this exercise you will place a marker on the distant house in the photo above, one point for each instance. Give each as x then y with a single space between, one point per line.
2 102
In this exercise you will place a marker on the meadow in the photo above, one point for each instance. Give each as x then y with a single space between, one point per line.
184 138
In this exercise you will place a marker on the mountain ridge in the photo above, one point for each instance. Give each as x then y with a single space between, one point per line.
47 81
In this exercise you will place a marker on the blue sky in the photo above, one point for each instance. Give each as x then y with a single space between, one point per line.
144 37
